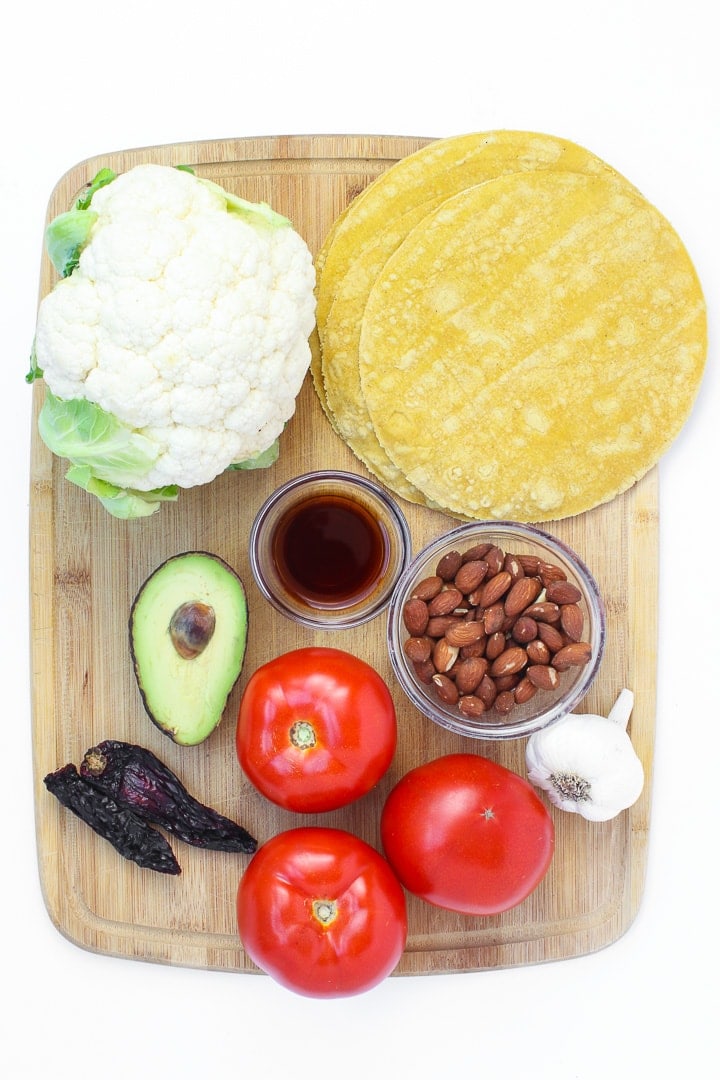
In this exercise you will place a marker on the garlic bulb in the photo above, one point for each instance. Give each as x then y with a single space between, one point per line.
587 764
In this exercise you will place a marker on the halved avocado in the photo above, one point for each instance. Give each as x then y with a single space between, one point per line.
188 634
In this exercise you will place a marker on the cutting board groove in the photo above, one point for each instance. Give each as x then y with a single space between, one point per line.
86 568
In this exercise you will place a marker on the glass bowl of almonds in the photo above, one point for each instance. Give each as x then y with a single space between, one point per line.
496 629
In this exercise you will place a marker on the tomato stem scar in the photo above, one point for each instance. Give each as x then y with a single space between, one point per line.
325 911
302 735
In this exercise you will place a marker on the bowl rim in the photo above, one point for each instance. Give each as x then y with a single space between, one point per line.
456 722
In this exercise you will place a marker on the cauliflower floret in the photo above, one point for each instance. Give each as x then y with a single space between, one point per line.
185 319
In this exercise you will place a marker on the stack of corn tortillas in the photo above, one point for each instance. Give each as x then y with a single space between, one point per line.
506 328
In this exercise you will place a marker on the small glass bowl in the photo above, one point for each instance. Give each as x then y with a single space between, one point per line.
387 531
545 706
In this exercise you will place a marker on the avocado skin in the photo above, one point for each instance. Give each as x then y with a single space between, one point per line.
184 698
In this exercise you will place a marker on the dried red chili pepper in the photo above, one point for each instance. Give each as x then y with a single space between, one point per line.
138 780
133 837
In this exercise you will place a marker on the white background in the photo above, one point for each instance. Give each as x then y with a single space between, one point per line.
637 83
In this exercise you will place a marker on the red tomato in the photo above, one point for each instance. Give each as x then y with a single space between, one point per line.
316 729
467 834
321 912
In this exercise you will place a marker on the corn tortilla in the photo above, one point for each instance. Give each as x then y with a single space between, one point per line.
438 170
533 346
371 230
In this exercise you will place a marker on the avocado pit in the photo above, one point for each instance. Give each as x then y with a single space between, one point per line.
191 628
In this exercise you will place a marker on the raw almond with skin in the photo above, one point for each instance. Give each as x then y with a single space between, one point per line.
529 563
514 567
543 676
572 621
470 705
521 595
445 602
477 551
505 702
424 670
487 691
550 636
495 558
418 649
544 612
439 625
470 673
538 652
470 575
495 645
449 565
495 588
524 630
509 662
549 572
524 691
428 588
415 616
493 618
446 689
444 655
465 633
563 592
576 654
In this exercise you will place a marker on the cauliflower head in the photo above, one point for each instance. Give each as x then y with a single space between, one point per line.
177 343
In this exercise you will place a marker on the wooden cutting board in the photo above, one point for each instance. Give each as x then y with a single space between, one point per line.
86 568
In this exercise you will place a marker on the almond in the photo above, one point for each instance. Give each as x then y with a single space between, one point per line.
524 630
505 702
538 652
572 621
444 655
428 588
563 592
449 565
507 682
495 645
524 691
470 705
549 572
550 636
487 691
418 649
495 558
509 662
493 618
470 575
495 588
529 563
543 676
446 601
470 673
424 669
446 689
477 551
576 654
544 612
522 594
514 567
439 625
476 648
465 633
415 616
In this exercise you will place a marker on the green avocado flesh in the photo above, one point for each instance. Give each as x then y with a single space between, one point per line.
185 678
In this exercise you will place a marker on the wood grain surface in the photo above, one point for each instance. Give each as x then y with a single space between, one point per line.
86 568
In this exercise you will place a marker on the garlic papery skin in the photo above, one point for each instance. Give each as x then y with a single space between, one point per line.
587 764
